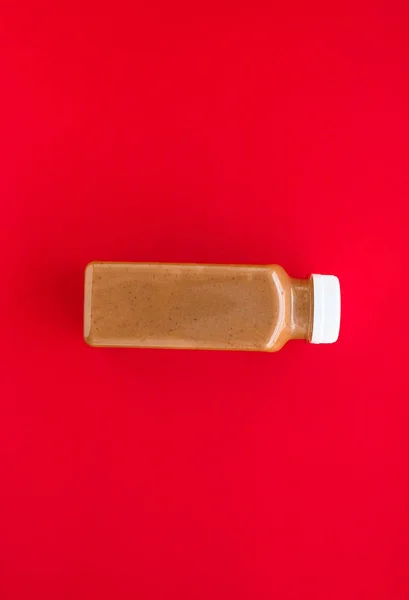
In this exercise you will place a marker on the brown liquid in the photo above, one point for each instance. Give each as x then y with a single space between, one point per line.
223 307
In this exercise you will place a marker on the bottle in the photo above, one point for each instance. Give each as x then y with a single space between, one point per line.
211 307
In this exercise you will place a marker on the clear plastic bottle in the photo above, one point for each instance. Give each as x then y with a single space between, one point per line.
211 307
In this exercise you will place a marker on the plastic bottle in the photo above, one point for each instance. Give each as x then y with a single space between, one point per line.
213 307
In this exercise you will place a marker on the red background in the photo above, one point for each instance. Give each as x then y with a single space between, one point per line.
213 132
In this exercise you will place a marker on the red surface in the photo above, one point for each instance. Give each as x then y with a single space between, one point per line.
204 132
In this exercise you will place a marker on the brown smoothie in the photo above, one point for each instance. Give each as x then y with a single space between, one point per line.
223 307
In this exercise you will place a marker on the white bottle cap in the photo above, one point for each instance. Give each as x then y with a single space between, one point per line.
327 309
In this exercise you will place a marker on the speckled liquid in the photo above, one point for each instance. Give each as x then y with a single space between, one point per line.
224 307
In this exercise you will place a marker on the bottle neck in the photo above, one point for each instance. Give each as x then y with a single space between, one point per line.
302 304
